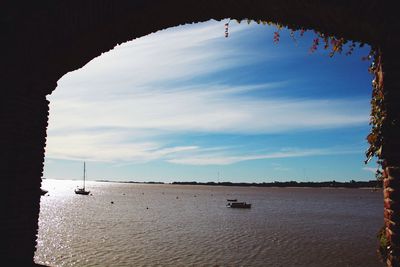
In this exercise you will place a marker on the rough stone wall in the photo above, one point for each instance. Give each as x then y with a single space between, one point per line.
391 150
43 40
23 123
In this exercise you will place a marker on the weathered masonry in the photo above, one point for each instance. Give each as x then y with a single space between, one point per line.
43 40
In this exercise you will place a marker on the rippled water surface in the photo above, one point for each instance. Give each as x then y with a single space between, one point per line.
178 225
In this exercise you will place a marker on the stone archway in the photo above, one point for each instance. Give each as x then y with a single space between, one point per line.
43 41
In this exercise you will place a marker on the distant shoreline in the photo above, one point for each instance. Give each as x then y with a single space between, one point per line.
326 184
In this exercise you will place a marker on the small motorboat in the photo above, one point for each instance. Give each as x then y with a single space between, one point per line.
239 205
43 191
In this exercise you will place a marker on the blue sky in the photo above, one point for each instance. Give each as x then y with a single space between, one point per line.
186 103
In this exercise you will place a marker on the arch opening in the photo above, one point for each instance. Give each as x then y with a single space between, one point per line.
217 91
68 35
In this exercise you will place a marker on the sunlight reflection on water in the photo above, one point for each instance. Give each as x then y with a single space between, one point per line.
177 225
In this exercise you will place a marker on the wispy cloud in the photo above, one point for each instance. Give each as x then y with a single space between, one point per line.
210 159
168 56
217 110
117 148
109 147
121 105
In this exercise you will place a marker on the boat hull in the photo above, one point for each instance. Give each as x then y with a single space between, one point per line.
239 205
43 191
81 192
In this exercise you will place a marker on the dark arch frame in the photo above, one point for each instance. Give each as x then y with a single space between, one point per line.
41 41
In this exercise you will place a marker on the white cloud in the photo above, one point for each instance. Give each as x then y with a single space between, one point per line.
118 107
216 110
108 147
210 159
169 55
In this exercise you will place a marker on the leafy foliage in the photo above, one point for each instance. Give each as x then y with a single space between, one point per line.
378 111
383 244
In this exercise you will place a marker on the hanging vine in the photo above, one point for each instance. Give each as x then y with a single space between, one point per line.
378 111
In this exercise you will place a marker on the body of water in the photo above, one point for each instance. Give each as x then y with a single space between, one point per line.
182 225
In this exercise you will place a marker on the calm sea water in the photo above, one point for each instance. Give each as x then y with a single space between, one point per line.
177 225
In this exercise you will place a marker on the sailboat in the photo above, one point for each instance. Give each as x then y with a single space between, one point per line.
82 191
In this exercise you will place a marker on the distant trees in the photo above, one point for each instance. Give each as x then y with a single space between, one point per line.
350 184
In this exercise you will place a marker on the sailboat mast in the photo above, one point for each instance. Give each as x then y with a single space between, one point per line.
84 174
